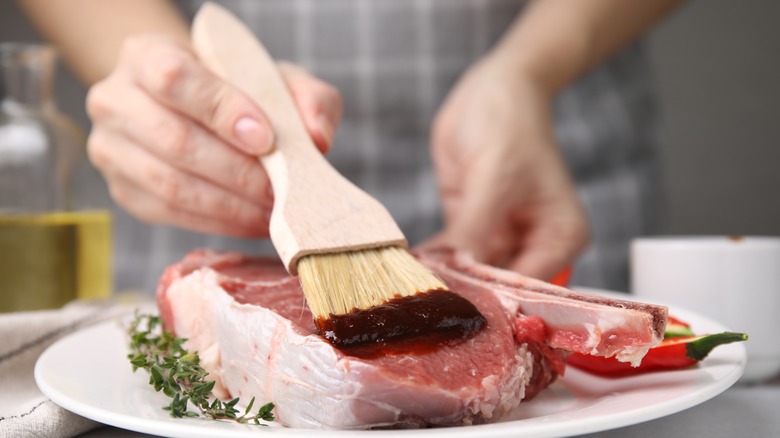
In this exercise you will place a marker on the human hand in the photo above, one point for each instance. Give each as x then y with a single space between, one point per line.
506 193
179 146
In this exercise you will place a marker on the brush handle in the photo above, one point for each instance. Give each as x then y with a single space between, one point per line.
316 210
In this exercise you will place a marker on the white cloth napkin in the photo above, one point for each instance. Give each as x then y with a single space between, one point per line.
24 410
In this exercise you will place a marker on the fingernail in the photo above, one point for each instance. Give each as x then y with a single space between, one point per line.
254 137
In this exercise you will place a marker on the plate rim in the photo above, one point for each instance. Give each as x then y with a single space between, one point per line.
179 428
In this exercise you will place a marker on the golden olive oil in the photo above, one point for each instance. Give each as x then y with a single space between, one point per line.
47 260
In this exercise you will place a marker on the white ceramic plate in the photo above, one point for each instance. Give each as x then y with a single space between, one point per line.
88 373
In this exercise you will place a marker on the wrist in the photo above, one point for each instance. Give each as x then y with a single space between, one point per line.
519 78
548 71
548 45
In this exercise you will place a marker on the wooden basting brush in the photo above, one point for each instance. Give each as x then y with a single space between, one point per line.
359 281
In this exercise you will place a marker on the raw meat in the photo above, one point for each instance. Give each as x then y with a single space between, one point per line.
248 320
585 323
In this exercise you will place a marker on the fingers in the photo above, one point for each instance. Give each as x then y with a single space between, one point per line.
537 238
155 210
173 76
534 225
556 227
156 192
319 104
178 145
129 113
176 78
550 245
474 210
479 219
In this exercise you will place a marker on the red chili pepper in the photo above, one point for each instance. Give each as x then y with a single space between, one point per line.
676 321
562 277
672 353
676 328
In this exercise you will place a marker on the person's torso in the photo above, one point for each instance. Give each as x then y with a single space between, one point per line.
394 62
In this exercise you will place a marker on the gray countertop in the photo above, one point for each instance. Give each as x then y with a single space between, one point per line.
740 411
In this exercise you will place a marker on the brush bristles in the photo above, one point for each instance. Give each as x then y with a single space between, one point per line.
340 282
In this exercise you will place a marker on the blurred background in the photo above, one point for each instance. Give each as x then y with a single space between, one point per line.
717 66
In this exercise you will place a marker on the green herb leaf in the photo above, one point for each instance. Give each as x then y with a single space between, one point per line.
178 374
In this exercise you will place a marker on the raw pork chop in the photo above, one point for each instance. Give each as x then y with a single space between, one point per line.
585 323
248 320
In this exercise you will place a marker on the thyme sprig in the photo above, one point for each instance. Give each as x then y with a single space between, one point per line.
178 374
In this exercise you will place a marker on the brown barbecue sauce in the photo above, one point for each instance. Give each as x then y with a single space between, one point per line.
414 324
